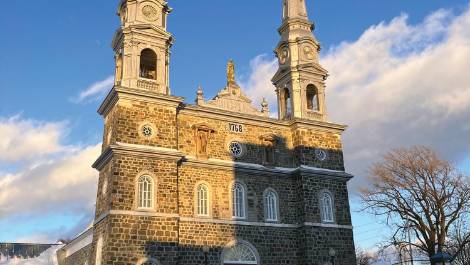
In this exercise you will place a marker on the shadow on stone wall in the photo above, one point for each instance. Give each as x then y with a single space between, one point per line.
286 241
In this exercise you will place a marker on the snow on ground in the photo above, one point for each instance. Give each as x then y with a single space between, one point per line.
381 263
48 257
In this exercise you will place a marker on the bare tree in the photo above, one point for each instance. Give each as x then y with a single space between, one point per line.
364 258
457 237
419 193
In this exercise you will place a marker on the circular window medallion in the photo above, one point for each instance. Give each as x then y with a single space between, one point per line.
321 154
236 149
147 130
150 13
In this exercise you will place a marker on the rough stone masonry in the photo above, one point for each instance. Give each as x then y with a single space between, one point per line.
219 181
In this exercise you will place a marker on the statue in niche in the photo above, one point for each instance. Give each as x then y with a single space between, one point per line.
201 145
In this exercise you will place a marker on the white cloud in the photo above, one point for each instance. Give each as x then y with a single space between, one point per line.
397 85
47 178
95 91
58 185
259 84
22 139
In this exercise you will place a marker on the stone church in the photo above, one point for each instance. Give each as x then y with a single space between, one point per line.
219 181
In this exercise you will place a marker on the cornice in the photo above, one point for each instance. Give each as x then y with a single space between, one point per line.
136 150
175 155
318 125
224 115
262 170
118 92
291 21
222 221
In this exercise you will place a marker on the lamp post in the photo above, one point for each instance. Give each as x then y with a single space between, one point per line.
206 249
441 259
332 253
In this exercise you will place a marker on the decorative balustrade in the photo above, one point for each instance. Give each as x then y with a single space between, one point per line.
314 115
150 85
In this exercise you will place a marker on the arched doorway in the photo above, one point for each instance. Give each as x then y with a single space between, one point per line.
240 253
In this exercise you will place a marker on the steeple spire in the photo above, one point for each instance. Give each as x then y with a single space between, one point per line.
300 78
293 9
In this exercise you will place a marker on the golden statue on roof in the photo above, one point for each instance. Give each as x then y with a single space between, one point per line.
230 72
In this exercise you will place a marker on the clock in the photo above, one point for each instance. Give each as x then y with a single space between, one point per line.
150 13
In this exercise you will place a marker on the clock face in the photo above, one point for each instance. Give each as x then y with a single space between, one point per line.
150 13
309 52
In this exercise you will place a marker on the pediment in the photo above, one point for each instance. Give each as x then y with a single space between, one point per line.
232 98
313 68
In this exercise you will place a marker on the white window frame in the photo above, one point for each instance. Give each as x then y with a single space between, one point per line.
327 211
205 203
238 203
271 209
244 243
146 200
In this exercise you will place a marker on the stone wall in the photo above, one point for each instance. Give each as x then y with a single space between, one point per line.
129 116
172 233
80 257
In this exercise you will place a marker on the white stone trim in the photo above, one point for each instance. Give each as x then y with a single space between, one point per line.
143 213
328 225
218 163
81 241
137 150
220 221
236 222
223 115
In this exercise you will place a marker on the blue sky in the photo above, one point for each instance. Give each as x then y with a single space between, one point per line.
53 50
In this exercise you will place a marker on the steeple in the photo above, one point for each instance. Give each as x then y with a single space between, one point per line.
300 80
293 9
142 46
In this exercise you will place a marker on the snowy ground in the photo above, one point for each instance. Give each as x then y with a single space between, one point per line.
49 257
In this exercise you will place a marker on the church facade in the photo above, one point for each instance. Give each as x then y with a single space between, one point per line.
218 181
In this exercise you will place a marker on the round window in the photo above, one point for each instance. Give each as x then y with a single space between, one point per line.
147 131
321 154
236 149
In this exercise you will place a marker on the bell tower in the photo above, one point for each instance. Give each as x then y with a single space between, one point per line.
142 46
300 79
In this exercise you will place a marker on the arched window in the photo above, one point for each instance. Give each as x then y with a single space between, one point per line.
284 9
146 188
147 261
202 200
312 98
238 200
326 201
118 74
148 64
287 103
271 205
240 253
